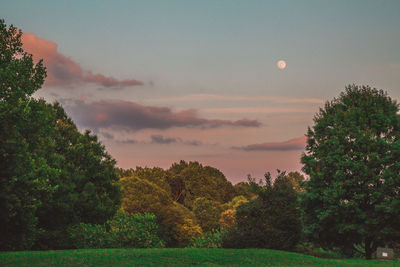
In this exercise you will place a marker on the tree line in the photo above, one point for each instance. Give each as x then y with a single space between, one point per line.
60 189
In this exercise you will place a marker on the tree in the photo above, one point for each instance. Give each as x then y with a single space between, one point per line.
272 220
243 189
155 175
352 156
189 181
297 180
227 219
207 212
177 223
51 175
23 175
87 185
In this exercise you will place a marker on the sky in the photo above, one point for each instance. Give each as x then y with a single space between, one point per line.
162 81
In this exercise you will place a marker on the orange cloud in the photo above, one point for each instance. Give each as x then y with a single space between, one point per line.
62 70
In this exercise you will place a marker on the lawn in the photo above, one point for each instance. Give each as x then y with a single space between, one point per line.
173 257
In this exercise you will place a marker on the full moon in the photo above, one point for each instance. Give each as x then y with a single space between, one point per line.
281 64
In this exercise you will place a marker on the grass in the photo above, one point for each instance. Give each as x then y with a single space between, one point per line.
174 257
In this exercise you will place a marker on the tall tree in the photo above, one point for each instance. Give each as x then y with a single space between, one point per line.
51 175
87 188
23 176
352 158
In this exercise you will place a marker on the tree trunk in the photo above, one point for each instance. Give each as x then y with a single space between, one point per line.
368 249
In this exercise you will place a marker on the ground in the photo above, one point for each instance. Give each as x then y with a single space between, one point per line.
174 257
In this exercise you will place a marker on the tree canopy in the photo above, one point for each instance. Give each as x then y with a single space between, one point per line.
271 220
177 223
352 158
191 180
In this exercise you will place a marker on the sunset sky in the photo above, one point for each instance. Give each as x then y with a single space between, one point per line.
161 81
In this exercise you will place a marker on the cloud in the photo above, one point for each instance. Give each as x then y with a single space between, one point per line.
131 116
107 135
258 110
159 139
62 70
128 141
215 97
292 144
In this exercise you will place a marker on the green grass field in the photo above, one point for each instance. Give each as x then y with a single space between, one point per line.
174 257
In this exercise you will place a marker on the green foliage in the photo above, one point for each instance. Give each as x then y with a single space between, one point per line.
272 220
243 189
227 217
139 231
207 212
24 172
19 76
155 175
85 181
212 239
189 181
297 180
177 223
123 231
309 248
85 235
352 153
51 175
140 195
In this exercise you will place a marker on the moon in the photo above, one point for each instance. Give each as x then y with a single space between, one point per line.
281 64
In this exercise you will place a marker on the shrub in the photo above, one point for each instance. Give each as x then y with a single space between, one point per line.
86 235
212 239
123 231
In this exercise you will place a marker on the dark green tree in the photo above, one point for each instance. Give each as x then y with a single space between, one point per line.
51 175
272 220
352 158
87 189
23 175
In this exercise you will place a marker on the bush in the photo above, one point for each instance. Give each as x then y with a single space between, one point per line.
212 239
86 235
123 231
138 231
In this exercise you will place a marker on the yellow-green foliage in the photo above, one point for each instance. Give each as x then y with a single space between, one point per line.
227 219
177 223
208 213
140 195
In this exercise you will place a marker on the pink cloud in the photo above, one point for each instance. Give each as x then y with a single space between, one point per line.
292 144
62 70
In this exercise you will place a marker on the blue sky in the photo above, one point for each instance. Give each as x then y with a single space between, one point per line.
218 58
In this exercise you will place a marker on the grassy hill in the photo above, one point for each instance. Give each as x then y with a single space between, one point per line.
173 257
